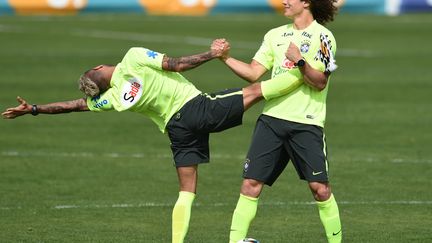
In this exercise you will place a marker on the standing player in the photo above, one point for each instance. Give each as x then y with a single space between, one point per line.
291 126
148 82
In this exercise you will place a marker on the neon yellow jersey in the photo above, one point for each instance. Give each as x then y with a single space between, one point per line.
139 84
318 46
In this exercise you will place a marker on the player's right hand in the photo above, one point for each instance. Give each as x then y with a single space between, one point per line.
22 109
220 47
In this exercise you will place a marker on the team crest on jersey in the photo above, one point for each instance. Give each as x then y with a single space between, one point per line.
304 46
131 92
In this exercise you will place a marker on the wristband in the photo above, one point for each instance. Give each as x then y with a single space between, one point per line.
301 62
34 110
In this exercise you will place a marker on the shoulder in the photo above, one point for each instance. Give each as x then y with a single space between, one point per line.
325 34
324 30
279 29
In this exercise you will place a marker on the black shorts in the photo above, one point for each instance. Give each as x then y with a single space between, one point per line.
190 127
275 142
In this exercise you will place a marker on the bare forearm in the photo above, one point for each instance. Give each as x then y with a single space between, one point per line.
25 108
249 72
313 77
185 63
63 107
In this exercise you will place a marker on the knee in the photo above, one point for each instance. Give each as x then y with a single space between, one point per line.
251 188
255 90
320 191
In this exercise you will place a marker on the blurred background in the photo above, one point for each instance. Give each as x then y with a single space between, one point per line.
198 7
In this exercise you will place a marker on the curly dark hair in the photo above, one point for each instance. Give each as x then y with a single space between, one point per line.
323 11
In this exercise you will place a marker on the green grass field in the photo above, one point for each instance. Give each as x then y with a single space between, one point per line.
109 177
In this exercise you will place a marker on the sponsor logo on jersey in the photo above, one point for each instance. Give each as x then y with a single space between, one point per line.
131 92
97 103
286 34
306 34
286 63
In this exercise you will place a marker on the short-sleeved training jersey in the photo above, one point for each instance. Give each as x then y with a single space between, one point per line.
139 84
318 46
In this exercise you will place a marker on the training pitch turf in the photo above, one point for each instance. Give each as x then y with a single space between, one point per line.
109 177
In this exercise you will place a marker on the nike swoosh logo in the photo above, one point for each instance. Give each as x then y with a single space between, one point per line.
316 173
280 44
337 232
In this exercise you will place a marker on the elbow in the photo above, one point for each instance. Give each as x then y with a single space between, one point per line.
321 86
178 69
252 78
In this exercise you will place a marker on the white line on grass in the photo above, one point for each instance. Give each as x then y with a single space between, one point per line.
288 203
240 156
218 204
157 38
84 154
175 39
193 40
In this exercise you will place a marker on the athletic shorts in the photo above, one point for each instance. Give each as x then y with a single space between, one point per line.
190 127
275 142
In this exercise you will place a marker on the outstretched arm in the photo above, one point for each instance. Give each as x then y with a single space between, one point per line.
52 108
180 64
250 72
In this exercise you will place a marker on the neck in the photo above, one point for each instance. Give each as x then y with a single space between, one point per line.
110 72
302 21
107 74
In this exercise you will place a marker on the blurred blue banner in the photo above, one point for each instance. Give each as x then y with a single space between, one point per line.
4 7
365 6
416 6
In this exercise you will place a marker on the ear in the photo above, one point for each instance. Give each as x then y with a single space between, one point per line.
306 3
98 67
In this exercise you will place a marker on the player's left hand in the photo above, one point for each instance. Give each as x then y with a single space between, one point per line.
293 53
22 109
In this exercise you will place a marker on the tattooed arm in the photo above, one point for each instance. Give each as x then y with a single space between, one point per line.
52 108
185 63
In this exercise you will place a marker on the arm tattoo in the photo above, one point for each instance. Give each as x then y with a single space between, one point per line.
186 63
64 107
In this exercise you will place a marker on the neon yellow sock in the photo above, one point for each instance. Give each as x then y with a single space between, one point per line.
181 216
243 215
329 214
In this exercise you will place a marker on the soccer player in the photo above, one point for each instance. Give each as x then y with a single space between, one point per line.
148 82
291 126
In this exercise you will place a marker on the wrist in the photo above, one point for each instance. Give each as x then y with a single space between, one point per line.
34 110
300 62
224 58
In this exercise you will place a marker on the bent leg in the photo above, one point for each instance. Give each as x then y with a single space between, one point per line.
328 211
245 210
182 209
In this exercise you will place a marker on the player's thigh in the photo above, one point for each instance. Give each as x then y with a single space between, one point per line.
308 151
266 158
223 110
188 147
